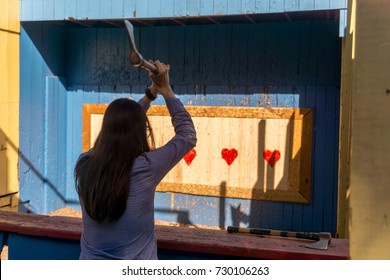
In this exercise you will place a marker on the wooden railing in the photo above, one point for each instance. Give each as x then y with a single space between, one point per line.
20 231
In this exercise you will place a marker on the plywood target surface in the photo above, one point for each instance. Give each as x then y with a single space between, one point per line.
253 153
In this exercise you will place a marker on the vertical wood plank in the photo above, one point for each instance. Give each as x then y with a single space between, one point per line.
71 9
102 59
248 6
235 7
190 59
193 7
180 8
4 15
60 9
304 41
155 8
36 123
239 58
71 142
306 5
276 6
162 43
321 4
370 134
82 9
142 8
220 70
307 210
13 17
328 50
220 7
4 45
9 97
89 54
129 8
37 9
47 9
331 128
75 49
343 23
207 7
298 209
288 214
93 9
291 5
167 9
256 53
25 10
338 4
262 6
336 153
176 53
51 143
105 9
26 47
117 8
206 55
320 186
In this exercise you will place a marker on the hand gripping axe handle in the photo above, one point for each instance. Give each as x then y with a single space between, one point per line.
322 238
135 57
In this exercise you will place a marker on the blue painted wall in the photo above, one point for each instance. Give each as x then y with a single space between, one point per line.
85 10
32 10
278 64
42 118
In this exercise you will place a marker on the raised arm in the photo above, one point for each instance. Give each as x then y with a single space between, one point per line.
166 157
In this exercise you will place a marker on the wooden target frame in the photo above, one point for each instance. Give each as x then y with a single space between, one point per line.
242 152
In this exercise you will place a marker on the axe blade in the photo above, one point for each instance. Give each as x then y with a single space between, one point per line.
135 57
321 244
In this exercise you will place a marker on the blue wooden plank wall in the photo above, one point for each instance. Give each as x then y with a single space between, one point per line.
31 10
278 64
43 118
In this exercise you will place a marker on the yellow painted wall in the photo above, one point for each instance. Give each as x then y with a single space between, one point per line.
369 182
9 97
345 128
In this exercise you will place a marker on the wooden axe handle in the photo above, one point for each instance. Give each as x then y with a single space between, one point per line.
135 57
261 231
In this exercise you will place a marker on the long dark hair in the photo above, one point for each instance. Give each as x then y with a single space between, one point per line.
103 177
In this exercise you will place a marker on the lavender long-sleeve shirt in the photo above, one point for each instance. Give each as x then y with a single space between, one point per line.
132 236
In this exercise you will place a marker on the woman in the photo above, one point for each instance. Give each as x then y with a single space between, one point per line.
117 178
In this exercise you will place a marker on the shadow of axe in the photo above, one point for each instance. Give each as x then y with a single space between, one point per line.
322 238
135 57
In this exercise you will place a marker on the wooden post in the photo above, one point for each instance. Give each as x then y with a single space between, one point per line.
9 101
369 72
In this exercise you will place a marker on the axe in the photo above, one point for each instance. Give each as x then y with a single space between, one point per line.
135 57
322 238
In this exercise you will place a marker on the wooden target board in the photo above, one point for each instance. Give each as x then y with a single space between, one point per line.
251 153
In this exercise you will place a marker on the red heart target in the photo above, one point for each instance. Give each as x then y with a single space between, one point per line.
229 155
189 157
271 157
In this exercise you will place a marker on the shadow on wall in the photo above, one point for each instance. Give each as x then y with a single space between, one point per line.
183 217
24 206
